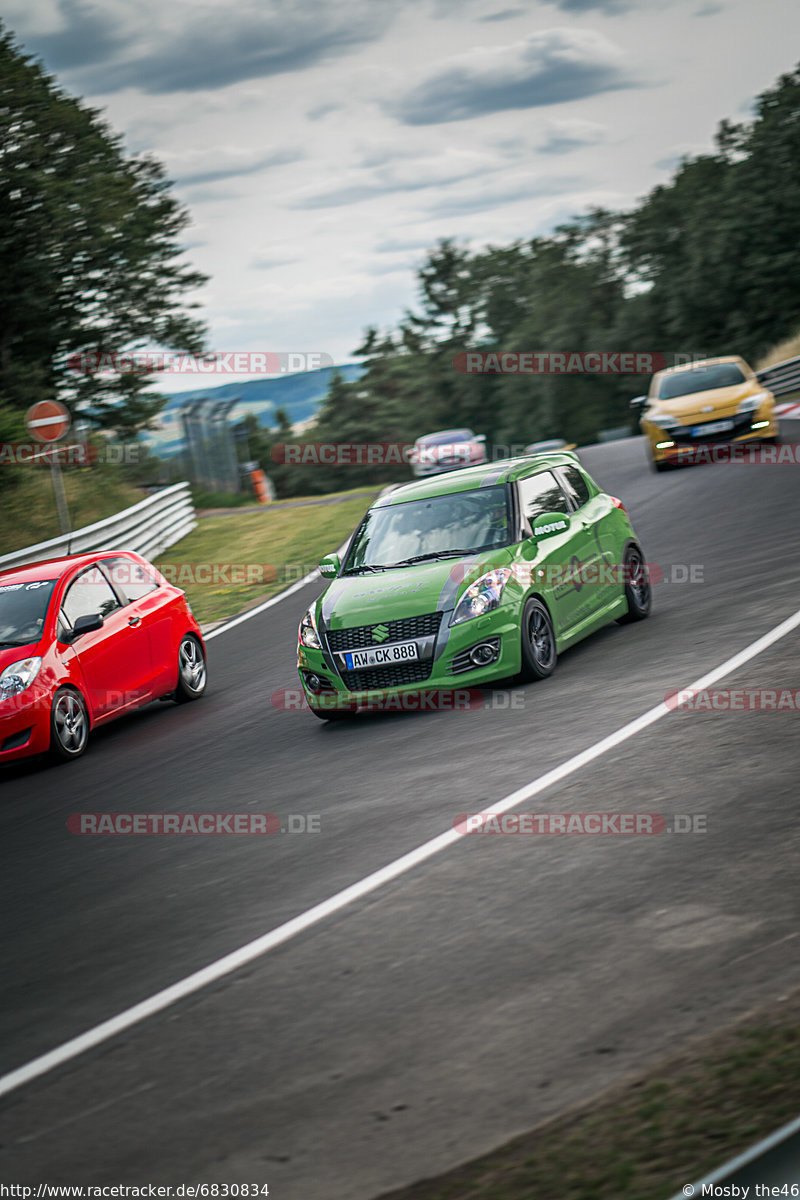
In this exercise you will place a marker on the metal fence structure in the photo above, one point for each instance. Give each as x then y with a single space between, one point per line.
210 457
781 378
147 527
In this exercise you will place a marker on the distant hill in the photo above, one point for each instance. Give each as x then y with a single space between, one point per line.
300 395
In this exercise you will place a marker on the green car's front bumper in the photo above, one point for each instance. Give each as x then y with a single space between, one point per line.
446 662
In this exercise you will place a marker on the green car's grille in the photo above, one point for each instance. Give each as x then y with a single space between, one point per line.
406 629
394 675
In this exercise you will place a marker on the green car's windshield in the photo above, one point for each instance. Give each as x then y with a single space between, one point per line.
700 379
22 611
441 527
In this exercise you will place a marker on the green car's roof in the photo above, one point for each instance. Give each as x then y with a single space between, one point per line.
465 479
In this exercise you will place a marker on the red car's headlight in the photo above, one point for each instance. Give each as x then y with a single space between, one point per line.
18 676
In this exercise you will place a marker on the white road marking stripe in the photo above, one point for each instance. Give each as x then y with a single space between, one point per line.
370 883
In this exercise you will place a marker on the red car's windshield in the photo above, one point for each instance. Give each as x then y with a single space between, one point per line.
23 607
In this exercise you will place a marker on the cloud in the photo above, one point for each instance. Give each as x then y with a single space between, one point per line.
68 34
268 262
181 46
398 246
610 8
551 67
505 15
567 135
225 164
413 175
496 197
322 110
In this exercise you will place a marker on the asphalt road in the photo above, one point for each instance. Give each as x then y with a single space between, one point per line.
488 988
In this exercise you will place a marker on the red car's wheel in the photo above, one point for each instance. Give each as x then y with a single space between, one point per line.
192 674
69 724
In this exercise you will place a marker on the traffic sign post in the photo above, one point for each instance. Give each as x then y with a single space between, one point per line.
48 421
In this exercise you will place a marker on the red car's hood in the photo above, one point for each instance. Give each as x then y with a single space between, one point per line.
12 654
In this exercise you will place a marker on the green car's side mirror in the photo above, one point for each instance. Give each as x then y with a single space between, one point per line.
548 524
330 566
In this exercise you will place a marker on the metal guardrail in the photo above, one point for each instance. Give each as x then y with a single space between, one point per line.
781 378
147 527
772 1163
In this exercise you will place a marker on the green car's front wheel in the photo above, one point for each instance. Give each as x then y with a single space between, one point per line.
538 641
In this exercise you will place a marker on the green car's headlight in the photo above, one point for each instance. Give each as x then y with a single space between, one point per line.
484 595
18 676
308 631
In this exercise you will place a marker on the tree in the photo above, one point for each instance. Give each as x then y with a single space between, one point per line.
89 254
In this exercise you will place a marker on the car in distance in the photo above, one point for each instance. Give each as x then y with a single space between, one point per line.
703 403
85 639
460 580
447 450
548 446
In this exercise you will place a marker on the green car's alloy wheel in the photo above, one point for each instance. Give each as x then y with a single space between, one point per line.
538 641
637 586
69 724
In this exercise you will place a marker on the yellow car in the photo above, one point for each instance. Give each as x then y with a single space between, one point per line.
704 403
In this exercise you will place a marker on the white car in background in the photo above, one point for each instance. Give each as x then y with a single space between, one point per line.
447 450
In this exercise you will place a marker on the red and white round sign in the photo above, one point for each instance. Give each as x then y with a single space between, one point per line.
47 421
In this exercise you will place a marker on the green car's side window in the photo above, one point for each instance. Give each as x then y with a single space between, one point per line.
577 485
540 494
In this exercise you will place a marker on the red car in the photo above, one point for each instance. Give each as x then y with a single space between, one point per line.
86 639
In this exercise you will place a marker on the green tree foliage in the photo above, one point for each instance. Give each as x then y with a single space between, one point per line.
89 253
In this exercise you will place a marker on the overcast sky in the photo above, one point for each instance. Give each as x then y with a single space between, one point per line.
321 147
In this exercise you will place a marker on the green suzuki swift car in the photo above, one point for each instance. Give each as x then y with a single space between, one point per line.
456 581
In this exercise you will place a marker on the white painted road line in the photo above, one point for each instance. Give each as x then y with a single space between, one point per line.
370 883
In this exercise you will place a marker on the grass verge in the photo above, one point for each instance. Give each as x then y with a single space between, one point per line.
234 560
647 1137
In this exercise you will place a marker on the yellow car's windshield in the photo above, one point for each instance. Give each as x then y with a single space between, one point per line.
700 379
